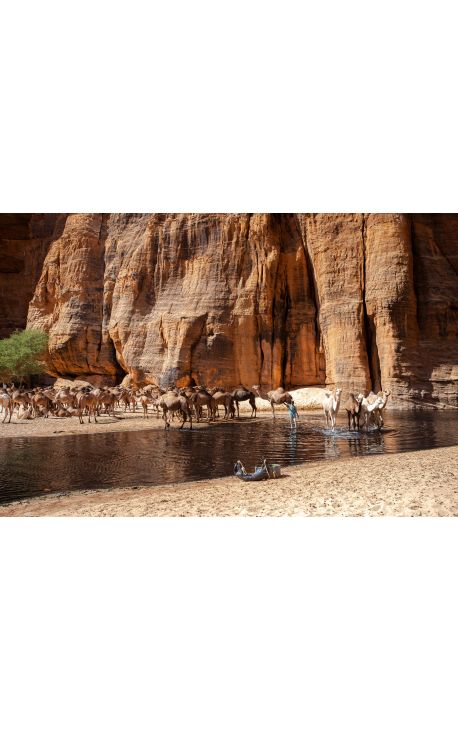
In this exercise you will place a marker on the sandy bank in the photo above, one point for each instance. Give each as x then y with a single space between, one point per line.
408 484
305 398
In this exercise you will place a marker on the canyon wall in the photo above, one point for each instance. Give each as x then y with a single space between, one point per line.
359 301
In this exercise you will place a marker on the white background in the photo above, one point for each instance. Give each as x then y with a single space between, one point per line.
234 623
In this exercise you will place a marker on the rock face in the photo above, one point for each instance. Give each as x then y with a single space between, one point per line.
24 242
359 301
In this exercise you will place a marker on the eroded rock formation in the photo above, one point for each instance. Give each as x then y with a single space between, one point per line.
278 299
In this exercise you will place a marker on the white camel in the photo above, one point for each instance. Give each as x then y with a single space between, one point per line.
367 408
378 412
331 405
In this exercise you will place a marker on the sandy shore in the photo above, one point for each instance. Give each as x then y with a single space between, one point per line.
54 426
409 484
307 399
121 421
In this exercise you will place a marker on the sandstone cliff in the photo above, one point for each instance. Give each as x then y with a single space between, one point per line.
356 300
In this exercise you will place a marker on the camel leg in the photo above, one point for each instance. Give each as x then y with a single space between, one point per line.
273 409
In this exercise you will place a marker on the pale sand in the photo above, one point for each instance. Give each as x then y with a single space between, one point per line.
54 426
408 484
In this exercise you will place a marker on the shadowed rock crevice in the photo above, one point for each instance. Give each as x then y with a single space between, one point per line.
369 325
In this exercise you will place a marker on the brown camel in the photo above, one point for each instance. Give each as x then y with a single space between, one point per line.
108 400
221 397
353 406
86 399
25 413
128 398
146 398
275 397
20 398
240 394
41 401
65 396
7 403
172 403
200 398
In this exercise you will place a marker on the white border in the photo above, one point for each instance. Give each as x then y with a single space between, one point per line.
250 106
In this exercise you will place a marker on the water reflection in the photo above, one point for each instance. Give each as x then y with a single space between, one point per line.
31 466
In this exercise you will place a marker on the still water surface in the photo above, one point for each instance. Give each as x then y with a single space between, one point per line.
34 466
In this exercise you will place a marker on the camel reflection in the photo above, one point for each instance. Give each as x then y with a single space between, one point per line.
331 447
355 447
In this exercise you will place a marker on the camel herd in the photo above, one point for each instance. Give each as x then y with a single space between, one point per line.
183 404
360 408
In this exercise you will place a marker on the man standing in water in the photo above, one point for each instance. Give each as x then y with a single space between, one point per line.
293 414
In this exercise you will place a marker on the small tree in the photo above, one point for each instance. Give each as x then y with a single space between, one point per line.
22 353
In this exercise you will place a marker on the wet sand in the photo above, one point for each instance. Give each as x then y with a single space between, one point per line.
417 483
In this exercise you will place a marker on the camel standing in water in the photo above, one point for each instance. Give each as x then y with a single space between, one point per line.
368 407
275 397
353 407
377 413
240 394
331 405
171 402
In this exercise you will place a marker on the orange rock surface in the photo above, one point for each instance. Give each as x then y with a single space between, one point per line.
359 301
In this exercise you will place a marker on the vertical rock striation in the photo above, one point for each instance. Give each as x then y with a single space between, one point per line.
361 301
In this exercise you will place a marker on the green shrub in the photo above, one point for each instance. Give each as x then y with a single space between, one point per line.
22 354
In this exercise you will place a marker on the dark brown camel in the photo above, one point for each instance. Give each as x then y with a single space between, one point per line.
353 407
240 394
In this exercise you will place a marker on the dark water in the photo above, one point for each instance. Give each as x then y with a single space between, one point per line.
33 466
